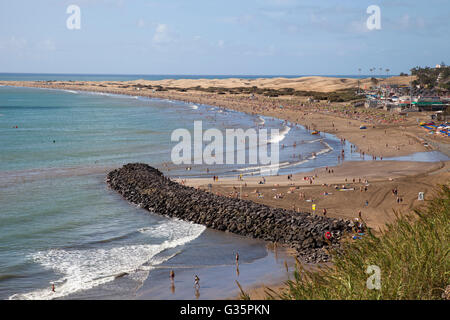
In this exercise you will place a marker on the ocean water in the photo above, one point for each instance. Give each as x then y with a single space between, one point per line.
59 223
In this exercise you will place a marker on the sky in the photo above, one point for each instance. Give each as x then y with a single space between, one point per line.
247 37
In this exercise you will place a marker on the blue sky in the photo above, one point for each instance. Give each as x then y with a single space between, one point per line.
222 37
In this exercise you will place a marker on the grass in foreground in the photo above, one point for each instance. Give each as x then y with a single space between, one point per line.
412 254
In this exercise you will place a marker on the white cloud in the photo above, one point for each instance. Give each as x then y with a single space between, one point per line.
244 19
274 14
47 45
14 43
140 23
282 3
264 52
220 43
162 34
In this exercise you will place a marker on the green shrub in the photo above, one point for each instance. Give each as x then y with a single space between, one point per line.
412 253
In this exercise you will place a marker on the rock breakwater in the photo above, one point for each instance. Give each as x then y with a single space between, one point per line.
148 188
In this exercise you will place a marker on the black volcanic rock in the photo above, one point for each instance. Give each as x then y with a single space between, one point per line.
147 187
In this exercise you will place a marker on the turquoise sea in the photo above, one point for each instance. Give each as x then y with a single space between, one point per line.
60 224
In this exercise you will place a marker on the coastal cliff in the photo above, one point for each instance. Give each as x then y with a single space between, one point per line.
147 187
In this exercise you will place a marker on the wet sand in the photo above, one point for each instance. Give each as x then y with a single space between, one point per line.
409 178
217 271
387 135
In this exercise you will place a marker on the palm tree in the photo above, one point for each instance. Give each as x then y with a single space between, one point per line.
359 78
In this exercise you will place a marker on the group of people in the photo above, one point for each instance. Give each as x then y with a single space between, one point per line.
172 278
196 278
395 194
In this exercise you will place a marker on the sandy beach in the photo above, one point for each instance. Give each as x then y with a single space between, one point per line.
344 190
409 178
387 134
326 190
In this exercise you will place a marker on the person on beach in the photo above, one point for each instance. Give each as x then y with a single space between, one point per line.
324 212
53 287
172 275
197 293
196 282
237 257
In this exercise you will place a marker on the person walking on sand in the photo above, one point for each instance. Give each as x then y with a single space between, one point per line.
324 212
237 257
172 275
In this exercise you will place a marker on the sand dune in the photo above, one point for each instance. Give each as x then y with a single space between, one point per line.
313 83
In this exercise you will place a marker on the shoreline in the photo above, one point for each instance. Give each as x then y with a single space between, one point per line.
381 138
382 208
353 127
149 189
379 177
218 281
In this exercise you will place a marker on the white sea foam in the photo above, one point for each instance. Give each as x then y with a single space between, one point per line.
312 141
261 120
326 150
172 229
294 164
285 165
194 107
85 269
280 137
71 91
268 167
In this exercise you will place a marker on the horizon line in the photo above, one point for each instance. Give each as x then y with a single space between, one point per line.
192 74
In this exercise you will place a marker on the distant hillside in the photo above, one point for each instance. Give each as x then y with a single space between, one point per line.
427 77
313 83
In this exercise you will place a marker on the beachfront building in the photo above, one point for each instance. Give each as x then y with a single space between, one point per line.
371 103
429 104
406 99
